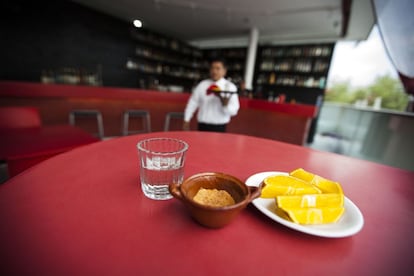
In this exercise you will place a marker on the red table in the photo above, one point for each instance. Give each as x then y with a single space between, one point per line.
83 213
25 147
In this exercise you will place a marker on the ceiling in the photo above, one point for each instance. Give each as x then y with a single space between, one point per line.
213 22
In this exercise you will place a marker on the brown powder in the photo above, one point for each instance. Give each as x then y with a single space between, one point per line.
213 197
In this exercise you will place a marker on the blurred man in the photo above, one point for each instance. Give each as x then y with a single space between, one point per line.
216 100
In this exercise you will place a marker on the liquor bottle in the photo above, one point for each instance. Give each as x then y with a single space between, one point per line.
272 78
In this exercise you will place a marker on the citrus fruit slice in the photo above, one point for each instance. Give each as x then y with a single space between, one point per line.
325 185
286 185
302 174
313 200
315 215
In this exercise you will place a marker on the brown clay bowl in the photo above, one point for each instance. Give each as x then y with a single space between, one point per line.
214 217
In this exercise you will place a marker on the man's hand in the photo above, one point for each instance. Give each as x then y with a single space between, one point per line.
186 125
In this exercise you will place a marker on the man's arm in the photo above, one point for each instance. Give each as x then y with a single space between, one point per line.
192 105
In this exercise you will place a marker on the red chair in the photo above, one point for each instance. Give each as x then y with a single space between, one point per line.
14 118
19 117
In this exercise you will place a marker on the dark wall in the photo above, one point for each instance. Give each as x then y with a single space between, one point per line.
39 35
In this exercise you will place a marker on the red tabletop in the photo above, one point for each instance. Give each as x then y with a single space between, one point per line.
24 147
83 213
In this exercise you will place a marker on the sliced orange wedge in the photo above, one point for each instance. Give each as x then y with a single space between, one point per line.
310 200
315 215
286 185
325 185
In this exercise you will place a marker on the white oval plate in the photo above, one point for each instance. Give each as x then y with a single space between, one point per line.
349 224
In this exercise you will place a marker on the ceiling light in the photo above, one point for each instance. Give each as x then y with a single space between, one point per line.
137 23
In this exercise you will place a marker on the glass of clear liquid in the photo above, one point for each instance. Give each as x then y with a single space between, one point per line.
161 163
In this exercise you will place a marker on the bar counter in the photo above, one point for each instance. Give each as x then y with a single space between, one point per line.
283 122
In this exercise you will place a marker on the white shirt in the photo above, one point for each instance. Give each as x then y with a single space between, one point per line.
210 109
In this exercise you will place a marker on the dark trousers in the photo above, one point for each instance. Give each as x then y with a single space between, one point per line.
210 127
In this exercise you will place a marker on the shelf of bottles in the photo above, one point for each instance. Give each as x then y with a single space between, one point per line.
160 68
294 66
165 62
73 76
166 43
154 55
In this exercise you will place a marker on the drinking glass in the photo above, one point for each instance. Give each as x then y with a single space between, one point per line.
161 163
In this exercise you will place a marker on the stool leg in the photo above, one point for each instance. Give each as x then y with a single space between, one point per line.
167 123
148 123
72 119
126 124
100 125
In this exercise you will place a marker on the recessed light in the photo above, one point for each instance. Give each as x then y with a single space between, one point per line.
137 23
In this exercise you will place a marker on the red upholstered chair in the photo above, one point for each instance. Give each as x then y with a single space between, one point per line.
19 117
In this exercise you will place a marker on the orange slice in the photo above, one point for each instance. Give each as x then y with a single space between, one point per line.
315 215
302 174
312 200
286 185
325 185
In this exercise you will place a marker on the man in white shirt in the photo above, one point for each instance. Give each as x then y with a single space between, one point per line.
214 108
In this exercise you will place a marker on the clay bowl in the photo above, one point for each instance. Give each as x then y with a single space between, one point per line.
214 217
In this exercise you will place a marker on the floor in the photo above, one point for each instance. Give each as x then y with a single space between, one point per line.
3 172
